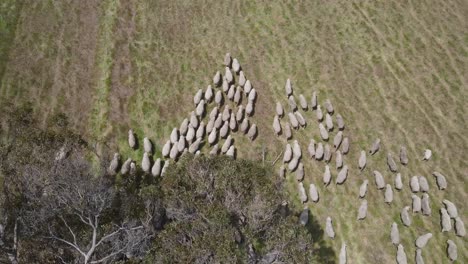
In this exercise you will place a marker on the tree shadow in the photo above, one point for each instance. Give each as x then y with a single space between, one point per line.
324 253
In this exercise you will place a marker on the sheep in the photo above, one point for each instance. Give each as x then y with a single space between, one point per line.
323 132
326 176
252 95
227 144
147 146
287 131
166 149
242 78
231 152
240 113
342 175
395 234
114 164
293 120
440 180
327 154
181 144
340 122
329 228
300 172
156 169
244 127
445 222
201 130
214 151
363 189
217 79
288 87
375 147
388 195
190 134
292 103
226 113
422 240
418 257
164 169
342 256
146 163
193 148
319 151
405 217
224 131
125 167
311 148
459 227
451 208
174 136
304 216
329 106
282 172
345 146
227 60
292 165
193 120
276 125
337 139
236 65
362 160
279 109
252 133
379 180
313 193
425 205
401 255
300 119
303 102
302 193
398 182
362 212
416 203
133 168
452 253
233 122
198 96
296 149
225 85
213 136
414 184
328 122
219 98
219 121
228 75
238 95
249 108
231 92
214 113
403 156
209 94
391 163
174 152
247 87
339 160
131 139
319 114
287 156
184 126
423 184
427 154
313 101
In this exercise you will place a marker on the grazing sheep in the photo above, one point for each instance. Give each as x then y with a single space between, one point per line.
329 106
319 114
193 120
398 182
145 163
233 122
345 146
238 95
342 175
423 184
422 240
276 125
363 189
427 154
244 127
225 85
329 228
416 203
300 119
231 92
131 139
236 65
214 113
313 101
249 108
327 154
287 156
459 227
252 133
362 160
319 151
292 165
166 149
395 234
379 180
445 221
388 195
425 205
156 169
219 121
440 180
311 148
217 79
227 144
226 113
405 217
287 131
198 96
228 75
240 113
362 212
147 146
231 152
338 139
300 172
302 193
201 130
279 109
219 98
288 87
174 152
340 122
193 148
181 144
292 103
339 160
184 126
282 172
342 257
210 126
328 122
323 132
133 168
326 176
164 169
452 252
375 147
451 208
303 102
418 257
227 60
401 255
296 148
213 136
174 136
214 151
190 134
224 131
293 120
125 167
247 87
414 184
252 95
403 156
209 94
114 164
391 163
242 78
313 193
304 216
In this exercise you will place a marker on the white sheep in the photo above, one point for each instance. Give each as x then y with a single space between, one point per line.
300 119
345 145
201 130
225 85
362 212
242 78
238 95
224 131
327 153
418 257
190 134
395 234
422 240
214 151
282 172
193 148
125 167
329 122
227 60
240 113
416 203
398 182
252 133
362 160
288 154
214 113
329 106
131 139
233 122
287 131
401 255
156 169
184 126
219 98
313 193
319 114
288 87
340 122
391 163
247 87
379 180
302 193
414 184
164 169
227 144
292 165
292 103
451 208
329 228
313 101
276 125
193 120
343 254
323 132
133 168
252 95
209 94
440 180
319 151
445 222
293 120
174 136
338 139
213 136
231 92
249 108
236 65
296 148
219 121
423 184
427 154
147 146
339 160
363 189
217 79
342 175
231 152
145 163
114 164
452 251
327 176
303 102
174 152
279 109
388 195
226 113
403 155
181 144
300 172
228 75
166 149
405 217
210 126
459 227
198 96
375 147
425 204
244 127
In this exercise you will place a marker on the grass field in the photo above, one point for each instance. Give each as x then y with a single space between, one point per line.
397 70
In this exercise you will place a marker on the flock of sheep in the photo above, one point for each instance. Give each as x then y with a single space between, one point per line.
339 147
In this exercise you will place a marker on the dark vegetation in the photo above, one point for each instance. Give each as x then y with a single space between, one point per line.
57 206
